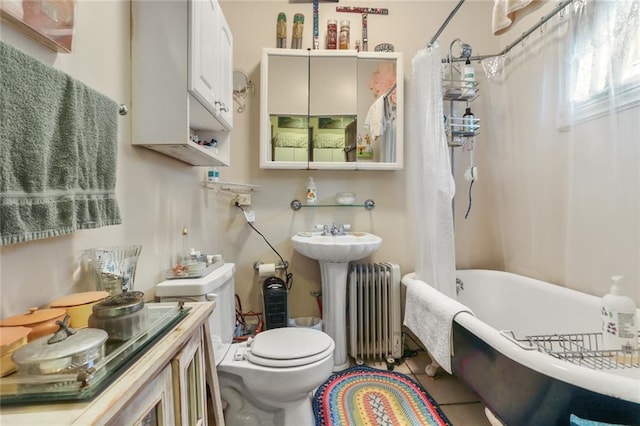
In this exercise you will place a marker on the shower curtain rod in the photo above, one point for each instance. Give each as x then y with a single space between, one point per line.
561 5
445 23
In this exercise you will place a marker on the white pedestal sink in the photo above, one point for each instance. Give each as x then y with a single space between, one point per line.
334 254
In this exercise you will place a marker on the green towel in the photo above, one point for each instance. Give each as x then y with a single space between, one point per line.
58 152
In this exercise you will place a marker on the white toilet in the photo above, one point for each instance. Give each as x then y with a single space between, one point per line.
267 380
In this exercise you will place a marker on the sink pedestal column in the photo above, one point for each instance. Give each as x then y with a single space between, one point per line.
334 306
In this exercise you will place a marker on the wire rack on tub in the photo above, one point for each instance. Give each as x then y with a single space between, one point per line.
585 349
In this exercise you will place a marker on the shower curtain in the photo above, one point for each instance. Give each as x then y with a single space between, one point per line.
561 150
431 186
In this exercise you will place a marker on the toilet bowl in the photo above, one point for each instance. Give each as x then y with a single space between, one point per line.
277 371
268 379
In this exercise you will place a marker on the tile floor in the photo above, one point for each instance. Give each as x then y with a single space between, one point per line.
460 404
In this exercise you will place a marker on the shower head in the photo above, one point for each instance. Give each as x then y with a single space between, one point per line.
465 50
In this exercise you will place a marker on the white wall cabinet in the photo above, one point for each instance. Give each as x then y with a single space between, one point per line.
165 386
210 59
316 110
182 80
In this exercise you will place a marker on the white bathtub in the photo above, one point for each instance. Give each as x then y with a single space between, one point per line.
522 386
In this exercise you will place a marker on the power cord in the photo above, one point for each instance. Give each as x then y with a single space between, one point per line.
469 208
287 274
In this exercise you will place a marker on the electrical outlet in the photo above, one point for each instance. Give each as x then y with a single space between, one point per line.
242 199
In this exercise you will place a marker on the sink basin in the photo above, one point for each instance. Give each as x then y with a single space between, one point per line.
338 248
334 252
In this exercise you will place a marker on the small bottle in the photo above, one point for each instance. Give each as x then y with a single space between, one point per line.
296 32
619 322
332 34
468 121
211 175
281 30
344 34
469 75
312 191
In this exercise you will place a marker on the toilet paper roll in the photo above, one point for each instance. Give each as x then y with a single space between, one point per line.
267 270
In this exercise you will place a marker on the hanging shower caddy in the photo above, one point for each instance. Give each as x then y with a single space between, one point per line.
461 131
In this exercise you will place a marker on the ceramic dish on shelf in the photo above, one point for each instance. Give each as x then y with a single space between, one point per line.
41 321
11 338
345 198
79 306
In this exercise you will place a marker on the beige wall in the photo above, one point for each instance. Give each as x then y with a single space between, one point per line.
159 195
409 26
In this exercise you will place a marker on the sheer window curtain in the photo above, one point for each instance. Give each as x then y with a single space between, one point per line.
564 152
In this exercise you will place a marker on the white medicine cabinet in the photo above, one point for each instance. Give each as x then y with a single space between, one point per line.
182 80
331 109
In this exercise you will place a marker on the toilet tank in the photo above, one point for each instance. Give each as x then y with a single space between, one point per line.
218 285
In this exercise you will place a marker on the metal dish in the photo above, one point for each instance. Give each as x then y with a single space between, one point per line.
66 351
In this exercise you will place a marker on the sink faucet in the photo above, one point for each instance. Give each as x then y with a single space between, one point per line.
333 230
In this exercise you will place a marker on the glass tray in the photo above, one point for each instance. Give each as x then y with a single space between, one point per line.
170 275
16 389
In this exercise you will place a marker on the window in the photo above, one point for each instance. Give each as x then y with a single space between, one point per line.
604 57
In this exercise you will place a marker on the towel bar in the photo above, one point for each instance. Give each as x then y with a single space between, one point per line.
123 109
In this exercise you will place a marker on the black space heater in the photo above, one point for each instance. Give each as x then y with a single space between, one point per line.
274 299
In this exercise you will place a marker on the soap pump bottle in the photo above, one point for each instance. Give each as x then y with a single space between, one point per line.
468 122
469 76
619 319
312 191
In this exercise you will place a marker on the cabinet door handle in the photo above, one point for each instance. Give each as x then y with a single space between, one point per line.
220 106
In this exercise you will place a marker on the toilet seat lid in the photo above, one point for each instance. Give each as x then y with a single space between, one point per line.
289 347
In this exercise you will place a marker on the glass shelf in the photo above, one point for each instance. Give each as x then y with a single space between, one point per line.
297 205
17 389
230 186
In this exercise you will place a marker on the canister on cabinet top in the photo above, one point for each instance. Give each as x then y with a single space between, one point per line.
296 36
332 34
281 30
121 316
344 34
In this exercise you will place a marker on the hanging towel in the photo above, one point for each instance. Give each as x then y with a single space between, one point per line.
376 120
429 315
58 152
506 12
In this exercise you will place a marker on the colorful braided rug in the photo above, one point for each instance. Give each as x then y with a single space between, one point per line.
367 396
